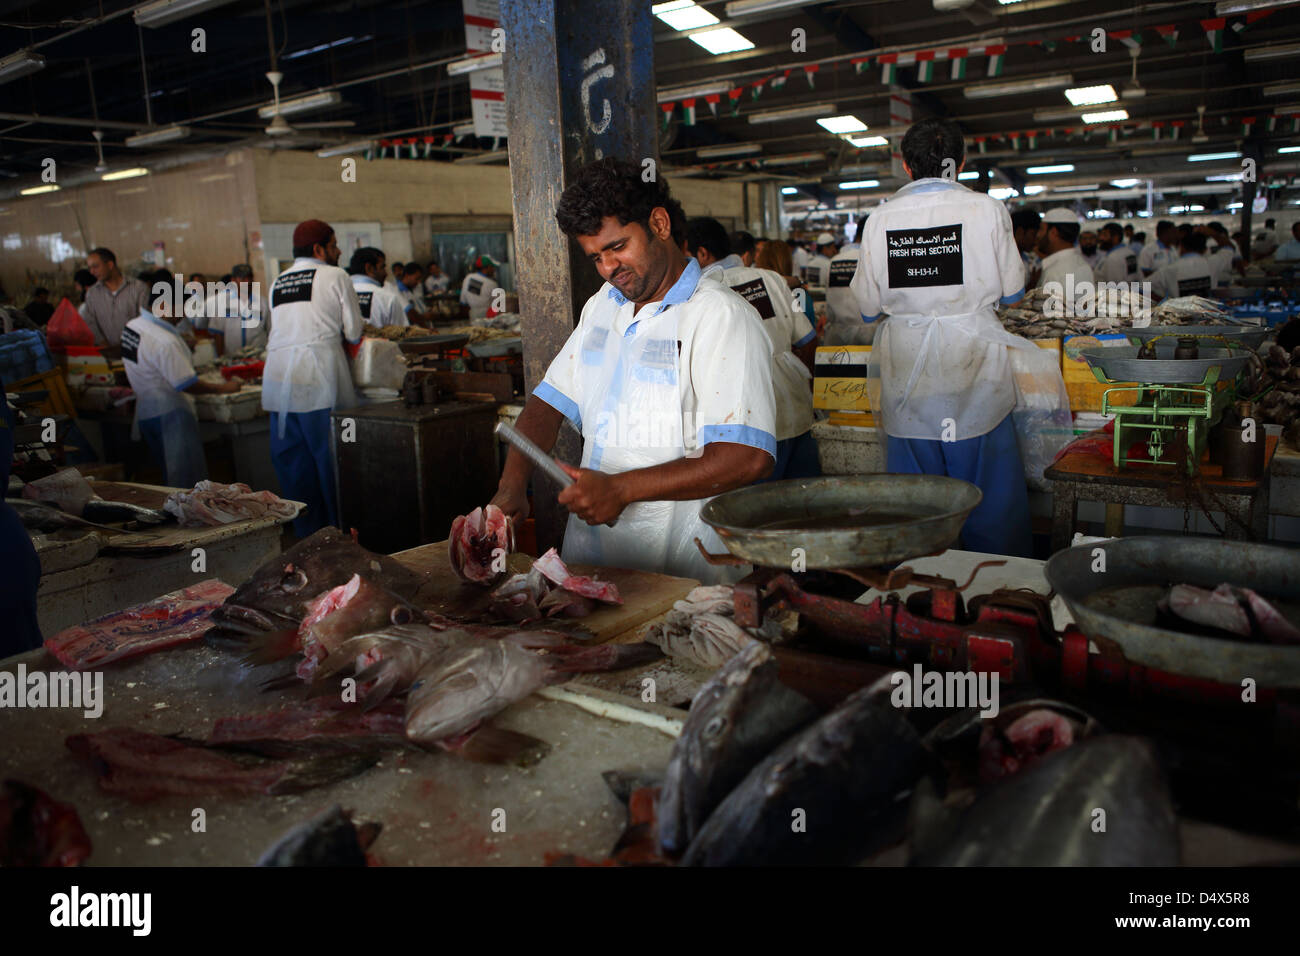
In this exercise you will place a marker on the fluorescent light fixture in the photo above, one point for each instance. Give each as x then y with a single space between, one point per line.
483 61
1177 209
721 40
683 14
742 8
734 149
1282 89
20 64
965 176
37 190
215 177
788 191
1106 116
793 112
125 174
1224 178
1007 3
1125 183
1002 192
1033 190
985 90
1091 95
464 129
1047 170
693 92
1144 214
301 104
1226 7
1234 205
1055 116
162 12
791 158
1076 189
343 149
1278 51
153 137
1289 149
324 46
863 141
861 184
842 124
1210 157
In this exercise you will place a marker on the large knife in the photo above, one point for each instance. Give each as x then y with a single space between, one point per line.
538 457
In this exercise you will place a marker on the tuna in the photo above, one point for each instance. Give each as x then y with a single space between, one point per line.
735 720
479 543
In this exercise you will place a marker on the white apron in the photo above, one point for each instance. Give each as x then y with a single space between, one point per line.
306 377
632 418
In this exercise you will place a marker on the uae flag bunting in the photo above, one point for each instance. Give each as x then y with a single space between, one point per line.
1272 123
810 72
1113 135
1239 26
1157 127
981 142
688 112
778 82
1032 138
1247 124
428 146
1214 32
668 112
370 152
997 59
1015 140
888 67
1129 38
1049 46
756 89
925 66
1168 33
958 57
713 99
734 97
411 143
446 140
860 65
1175 128
1295 122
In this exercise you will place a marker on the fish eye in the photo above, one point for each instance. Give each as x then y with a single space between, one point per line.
400 615
715 727
295 579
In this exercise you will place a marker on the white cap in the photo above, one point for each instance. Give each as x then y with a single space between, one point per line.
825 239
1061 215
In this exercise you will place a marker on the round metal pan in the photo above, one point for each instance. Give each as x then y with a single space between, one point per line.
930 511
1121 364
1118 605
1251 336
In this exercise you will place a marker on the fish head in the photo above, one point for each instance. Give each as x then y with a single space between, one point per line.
472 681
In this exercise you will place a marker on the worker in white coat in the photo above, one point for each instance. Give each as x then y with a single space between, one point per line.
936 260
1156 255
480 286
1189 274
379 304
160 367
667 377
233 313
818 268
1222 253
844 325
1119 262
1066 275
314 310
794 341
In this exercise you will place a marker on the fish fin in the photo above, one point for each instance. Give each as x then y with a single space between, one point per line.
318 770
275 646
623 783
490 744
382 690
280 682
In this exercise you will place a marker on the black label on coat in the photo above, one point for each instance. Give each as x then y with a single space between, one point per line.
363 298
293 287
919 258
842 272
1200 285
475 287
755 293
131 345
1131 262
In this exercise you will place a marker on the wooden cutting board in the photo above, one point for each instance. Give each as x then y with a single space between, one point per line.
646 595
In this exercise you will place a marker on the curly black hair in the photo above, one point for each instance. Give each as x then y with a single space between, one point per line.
615 187
929 142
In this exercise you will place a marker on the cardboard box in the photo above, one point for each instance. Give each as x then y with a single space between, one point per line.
840 379
1080 383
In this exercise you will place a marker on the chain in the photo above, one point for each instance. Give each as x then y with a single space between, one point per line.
1195 489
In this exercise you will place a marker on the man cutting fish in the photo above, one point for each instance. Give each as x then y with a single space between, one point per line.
667 378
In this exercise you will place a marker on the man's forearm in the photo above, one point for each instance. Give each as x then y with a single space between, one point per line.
722 467
540 424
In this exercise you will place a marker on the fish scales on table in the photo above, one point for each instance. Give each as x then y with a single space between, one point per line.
844 774
37 830
735 720
279 594
1046 814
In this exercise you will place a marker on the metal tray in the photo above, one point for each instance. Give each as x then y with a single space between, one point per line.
935 507
1121 364
1119 605
491 348
1252 337
433 343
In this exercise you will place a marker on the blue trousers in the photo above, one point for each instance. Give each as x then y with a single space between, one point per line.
176 447
20 575
1000 524
796 458
305 467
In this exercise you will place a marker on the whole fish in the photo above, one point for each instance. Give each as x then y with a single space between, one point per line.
822 797
1048 815
736 719
39 517
390 658
328 839
278 596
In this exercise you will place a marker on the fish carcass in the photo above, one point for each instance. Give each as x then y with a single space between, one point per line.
1047 815
37 830
736 719
211 503
479 542
1238 611
278 596
328 839
549 588
823 796
70 492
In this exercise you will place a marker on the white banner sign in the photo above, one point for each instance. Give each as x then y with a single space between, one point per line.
487 91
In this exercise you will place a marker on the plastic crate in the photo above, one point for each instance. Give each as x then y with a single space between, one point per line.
23 354
58 402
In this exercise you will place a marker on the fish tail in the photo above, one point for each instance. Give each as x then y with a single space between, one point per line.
572 659
275 646
490 744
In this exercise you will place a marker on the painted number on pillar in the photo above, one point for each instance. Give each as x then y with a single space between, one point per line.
595 69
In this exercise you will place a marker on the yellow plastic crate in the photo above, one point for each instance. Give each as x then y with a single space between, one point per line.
840 379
